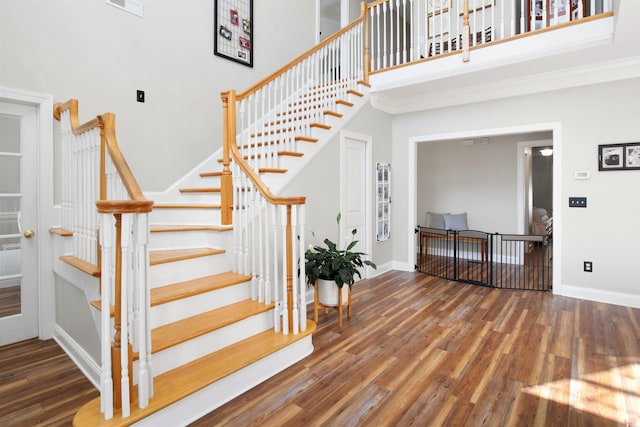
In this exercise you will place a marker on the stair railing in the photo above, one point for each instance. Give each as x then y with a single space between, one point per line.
95 174
268 121
268 236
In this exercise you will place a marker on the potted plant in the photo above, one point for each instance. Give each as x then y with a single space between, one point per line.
331 268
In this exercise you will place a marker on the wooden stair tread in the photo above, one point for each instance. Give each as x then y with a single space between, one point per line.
355 92
200 190
332 113
345 103
176 291
305 139
272 170
61 232
172 255
320 126
209 174
290 153
175 333
178 383
185 206
81 265
159 228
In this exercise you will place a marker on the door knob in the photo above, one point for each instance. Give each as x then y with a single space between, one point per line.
29 234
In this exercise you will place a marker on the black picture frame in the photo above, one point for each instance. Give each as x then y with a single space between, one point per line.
615 157
632 155
233 35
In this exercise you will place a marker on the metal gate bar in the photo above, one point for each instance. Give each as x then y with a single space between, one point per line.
506 261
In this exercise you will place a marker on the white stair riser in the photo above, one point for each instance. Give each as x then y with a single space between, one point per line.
186 216
200 198
197 304
188 269
190 239
217 394
193 349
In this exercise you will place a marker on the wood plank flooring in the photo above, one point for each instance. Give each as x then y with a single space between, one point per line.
10 301
40 385
423 351
419 350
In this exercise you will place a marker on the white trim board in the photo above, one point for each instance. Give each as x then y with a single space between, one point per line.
44 122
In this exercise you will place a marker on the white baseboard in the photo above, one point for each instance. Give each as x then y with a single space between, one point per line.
81 358
599 295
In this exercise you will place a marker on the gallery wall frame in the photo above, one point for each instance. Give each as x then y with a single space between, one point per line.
233 30
619 156
383 201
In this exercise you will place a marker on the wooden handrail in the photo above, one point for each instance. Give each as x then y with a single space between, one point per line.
304 56
106 124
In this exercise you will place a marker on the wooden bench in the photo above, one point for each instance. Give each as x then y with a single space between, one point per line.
425 236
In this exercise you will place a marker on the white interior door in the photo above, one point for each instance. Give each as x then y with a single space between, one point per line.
18 220
356 192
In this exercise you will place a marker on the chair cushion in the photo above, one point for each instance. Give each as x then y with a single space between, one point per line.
456 221
435 220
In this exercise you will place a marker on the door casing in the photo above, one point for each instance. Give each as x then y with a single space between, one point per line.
43 104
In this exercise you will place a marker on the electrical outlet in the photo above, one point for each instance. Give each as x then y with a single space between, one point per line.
577 202
140 96
588 266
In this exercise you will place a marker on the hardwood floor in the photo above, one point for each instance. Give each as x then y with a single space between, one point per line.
419 350
40 385
9 301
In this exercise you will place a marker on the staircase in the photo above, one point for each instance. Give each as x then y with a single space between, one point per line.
211 339
202 308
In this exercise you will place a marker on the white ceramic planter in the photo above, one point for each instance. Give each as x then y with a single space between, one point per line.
328 293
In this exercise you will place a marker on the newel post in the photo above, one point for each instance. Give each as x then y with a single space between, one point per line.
228 138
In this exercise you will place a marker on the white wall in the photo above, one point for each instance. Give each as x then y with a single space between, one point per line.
480 179
606 232
101 55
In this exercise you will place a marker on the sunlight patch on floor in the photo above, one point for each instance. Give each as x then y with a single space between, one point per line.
613 394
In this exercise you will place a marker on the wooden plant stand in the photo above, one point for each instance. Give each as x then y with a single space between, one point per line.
317 305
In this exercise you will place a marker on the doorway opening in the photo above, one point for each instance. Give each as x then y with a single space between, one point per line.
481 173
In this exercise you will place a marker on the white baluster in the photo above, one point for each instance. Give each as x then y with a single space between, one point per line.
397 12
294 276
301 263
251 221
285 305
106 382
276 297
124 324
142 288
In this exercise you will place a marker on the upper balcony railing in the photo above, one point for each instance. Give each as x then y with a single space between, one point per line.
405 31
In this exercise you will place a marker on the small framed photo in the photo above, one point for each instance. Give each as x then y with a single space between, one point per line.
225 32
610 157
246 26
632 156
234 17
244 42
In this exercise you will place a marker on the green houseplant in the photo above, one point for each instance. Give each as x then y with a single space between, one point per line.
333 264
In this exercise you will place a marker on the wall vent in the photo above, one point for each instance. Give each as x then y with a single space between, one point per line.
131 6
